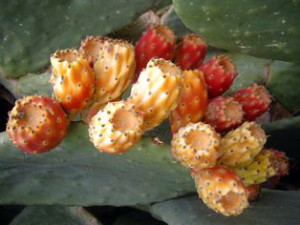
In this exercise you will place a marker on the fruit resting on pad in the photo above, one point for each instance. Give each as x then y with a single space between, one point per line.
36 124
116 127
195 146
221 190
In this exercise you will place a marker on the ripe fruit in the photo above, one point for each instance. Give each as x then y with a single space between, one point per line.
190 52
255 99
221 190
90 47
219 74
72 79
116 127
281 162
239 147
263 167
156 92
36 124
114 68
157 41
195 146
192 101
224 113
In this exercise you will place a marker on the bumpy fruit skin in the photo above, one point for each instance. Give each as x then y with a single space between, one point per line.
36 124
224 113
116 127
255 99
157 91
263 167
192 101
219 74
281 162
221 190
239 147
190 52
195 146
90 47
114 68
157 41
72 79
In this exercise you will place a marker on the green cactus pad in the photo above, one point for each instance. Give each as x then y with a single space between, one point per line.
265 28
32 30
284 85
76 173
52 215
275 207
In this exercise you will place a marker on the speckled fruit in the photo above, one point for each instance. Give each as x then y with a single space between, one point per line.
240 146
190 52
157 41
72 79
116 127
192 101
224 113
221 190
195 146
219 72
157 91
36 124
114 68
255 99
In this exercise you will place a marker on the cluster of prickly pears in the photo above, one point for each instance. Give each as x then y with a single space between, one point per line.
224 167
90 82
227 169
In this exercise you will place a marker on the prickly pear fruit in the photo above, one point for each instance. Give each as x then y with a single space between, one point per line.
263 167
157 41
281 162
72 79
239 147
192 101
114 68
219 74
156 92
190 52
255 99
221 190
195 146
224 113
116 127
36 124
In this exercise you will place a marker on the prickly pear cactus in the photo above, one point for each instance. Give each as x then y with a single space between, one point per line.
147 176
